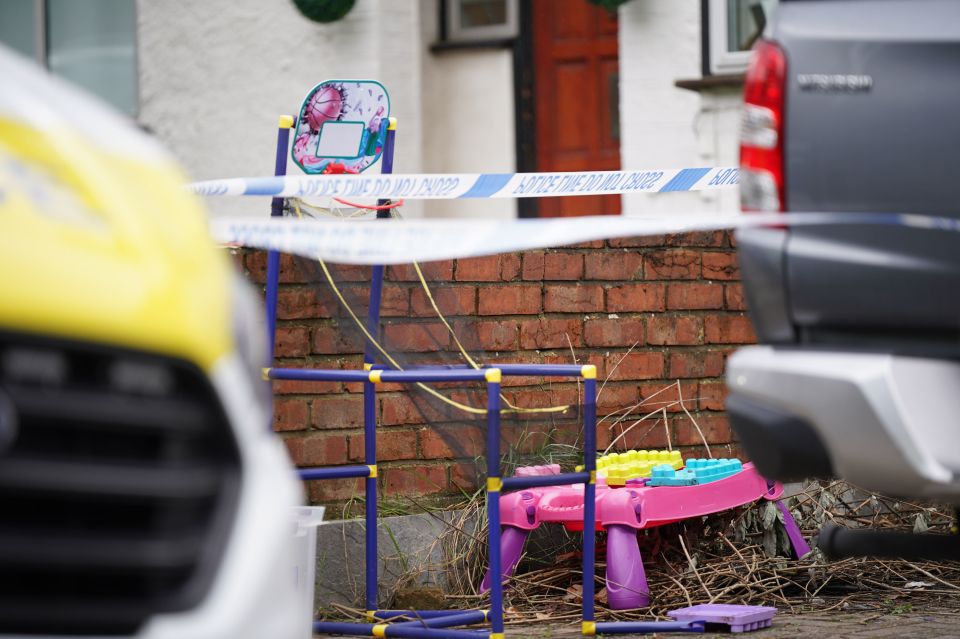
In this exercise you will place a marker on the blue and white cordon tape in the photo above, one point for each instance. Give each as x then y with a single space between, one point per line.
475 185
405 241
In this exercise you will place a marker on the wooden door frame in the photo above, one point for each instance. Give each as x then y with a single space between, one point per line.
525 118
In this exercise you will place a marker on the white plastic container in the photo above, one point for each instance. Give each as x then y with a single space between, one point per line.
304 554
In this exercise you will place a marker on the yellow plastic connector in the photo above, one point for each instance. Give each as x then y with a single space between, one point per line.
379 630
392 126
486 615
588 371
493 375
372 615
494 484
265 373
367 366
286 122
497 635
593 476
374 376
373 470
588 628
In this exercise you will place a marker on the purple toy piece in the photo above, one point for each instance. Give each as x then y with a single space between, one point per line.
800 547
511 547
626 579
738 618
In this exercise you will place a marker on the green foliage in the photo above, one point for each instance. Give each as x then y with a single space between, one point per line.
324 10
609 5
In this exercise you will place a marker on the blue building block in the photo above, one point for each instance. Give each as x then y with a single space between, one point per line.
696 471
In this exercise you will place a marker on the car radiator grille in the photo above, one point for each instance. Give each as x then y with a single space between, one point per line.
119 477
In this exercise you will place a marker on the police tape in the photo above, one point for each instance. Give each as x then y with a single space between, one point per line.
403 241
475 185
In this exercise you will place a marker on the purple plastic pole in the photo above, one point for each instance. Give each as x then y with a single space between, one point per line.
493 499
626 579
589 489
455 618
376 274
511 548
276 210
800 547
370 490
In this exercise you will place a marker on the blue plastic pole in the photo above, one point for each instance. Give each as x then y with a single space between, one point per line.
563 479
648 627
589 493
276 210
386 615
376 274
335 472
445 621
370 457
493 499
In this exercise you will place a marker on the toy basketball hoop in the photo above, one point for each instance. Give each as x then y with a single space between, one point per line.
341 122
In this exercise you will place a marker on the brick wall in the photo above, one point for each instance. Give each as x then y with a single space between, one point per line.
677 298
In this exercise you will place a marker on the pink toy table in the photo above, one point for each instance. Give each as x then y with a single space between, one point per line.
622 511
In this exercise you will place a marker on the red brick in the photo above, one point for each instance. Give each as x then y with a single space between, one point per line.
672 264
658 395
533 265
638 242
729 329
464 477
337 412
395 301
570 298
614 265
451 300
478 269
697 238
509 267
414 480
317 449
694 295
715 428
513 299
686 364
563 266
713 396
734 297
720 266
636 365
592 244
673 330
432 272
392 445
452 442
636 297
292 341
399 409
290 268
650 433
498 336
416 337
326 491
625 331
332 340
615 396
290 414
555 395
349 272
300 387
301 303
550 333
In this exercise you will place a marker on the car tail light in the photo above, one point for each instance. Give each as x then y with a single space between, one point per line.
761 131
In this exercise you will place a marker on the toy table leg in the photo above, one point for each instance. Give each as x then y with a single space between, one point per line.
511 547
800 547
626 579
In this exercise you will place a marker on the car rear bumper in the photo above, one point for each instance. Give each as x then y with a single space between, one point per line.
884 422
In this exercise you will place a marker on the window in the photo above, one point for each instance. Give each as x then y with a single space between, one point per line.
731 27
90 43
471 20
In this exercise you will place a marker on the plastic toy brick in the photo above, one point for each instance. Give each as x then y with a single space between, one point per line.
619 468
696 472
736 618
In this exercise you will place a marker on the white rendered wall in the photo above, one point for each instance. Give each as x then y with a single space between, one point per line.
216 74
468 115
663 126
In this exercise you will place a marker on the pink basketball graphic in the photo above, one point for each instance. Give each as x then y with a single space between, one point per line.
327 104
